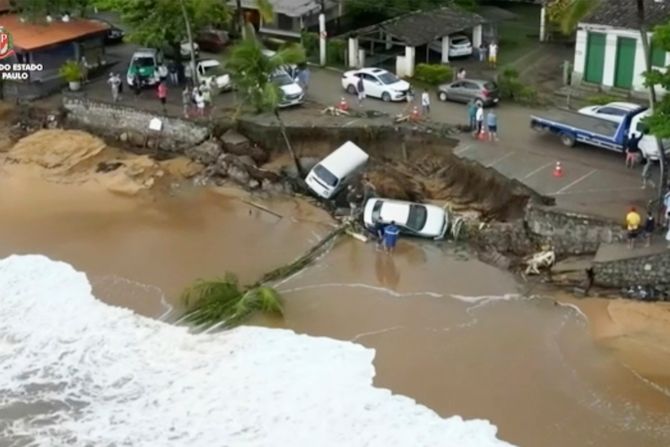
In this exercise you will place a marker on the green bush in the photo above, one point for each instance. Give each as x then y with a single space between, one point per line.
335 49
601 99
310 41
71 71
433 74
512 88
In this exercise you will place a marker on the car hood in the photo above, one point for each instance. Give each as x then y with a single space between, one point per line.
222 80
400 85
435 221
291 89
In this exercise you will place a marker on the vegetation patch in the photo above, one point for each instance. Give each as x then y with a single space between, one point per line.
512 88
433 74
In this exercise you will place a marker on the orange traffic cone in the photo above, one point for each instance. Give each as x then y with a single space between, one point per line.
415 115
343 105
481 135
558 170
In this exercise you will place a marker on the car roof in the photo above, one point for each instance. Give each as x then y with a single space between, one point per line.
145 52
459 36
345 158
209 62
373 70
392 210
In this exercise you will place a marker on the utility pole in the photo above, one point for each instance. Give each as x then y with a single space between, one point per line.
322 34
652 103
189 34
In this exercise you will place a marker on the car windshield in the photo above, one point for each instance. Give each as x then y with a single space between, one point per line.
460 41
417 217
282 79
325 175
144 61
214 70
388 78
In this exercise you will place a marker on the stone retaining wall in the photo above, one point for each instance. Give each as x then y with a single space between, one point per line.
652 270
111 120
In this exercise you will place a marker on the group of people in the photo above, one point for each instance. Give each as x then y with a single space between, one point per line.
387 236
198 98
480 123
488 53
635 227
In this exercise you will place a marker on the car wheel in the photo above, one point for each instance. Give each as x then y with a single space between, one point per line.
386 97
443 96
568 139
351 89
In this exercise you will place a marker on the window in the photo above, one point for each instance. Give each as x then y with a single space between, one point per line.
284 22
417 217
657 56
388 78
325 175
612 111
471 86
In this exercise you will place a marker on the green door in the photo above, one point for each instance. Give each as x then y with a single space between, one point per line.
625 61
595 58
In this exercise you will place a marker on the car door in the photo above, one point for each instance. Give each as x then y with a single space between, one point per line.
455 92
470 90
372 85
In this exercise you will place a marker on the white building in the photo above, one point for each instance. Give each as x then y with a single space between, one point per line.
608 48
290 16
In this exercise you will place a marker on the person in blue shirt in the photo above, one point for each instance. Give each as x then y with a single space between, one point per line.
492 125
472 115
391 233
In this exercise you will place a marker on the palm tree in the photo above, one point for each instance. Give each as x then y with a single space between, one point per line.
568 13
252 72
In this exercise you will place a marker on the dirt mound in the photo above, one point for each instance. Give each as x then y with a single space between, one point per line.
67 156
444 177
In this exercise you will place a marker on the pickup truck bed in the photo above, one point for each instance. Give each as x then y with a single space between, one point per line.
577 121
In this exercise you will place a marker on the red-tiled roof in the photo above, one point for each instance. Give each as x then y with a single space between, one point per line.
31 36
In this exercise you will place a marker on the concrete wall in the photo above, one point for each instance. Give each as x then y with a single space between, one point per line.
571 233
112 120
652 270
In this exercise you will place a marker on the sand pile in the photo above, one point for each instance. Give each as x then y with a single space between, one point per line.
463 185
70 156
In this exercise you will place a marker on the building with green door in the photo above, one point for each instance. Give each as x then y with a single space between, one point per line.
608 48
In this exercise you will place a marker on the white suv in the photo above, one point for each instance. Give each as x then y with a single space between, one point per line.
377 83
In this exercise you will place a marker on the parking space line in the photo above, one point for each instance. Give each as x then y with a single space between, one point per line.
596 190
580 179
535 171
498 160
463 150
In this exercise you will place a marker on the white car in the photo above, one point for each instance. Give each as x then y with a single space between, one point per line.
211 71
144 62
377 83
412 218
293 94
614 111
459 46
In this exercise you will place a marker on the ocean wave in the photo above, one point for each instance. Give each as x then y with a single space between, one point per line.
75 371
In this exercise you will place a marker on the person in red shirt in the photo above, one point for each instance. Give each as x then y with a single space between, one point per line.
162 95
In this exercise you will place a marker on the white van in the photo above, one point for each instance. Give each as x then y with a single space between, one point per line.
332 173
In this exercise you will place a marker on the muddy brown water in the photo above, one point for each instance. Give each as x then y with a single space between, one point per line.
526 364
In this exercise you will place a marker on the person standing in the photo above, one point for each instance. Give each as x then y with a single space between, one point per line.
84 69
493 54
114 83
186 101
646 173
492 125
482 52
199 102
666 204
425 102
479 118
472 115
162 72
391 233
162 95
206 93
303 77
632 226
173 73
137 84
360 89
460 76
632 150
649 227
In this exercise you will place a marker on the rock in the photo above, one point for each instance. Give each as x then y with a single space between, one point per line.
307 163
238 175
253 184
258 154
205 153
273 187
137 139
235 143
108 166
247 160
124 137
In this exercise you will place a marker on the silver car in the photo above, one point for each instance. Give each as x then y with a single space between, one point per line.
481 91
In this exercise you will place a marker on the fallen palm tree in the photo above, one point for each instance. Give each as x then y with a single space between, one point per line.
223 302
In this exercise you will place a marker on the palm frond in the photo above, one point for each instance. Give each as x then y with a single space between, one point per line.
266 10
575 12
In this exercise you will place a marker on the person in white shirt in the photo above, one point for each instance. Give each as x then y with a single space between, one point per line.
479 118
493 54
425 103
461 74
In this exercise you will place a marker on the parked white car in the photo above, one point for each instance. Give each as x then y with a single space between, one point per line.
416 219
144 62
211 71
293 94
377 83
459 46
614 111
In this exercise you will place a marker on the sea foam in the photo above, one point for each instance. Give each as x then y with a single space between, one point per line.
75 371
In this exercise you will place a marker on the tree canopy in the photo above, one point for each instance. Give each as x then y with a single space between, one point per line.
386 9
39 9
567 14
159 22
659 121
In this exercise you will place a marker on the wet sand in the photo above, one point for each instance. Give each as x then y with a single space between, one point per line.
531 367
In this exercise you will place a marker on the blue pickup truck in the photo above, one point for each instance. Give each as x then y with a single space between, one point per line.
573 127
